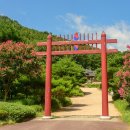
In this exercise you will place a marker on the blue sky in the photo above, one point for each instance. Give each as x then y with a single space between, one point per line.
68 16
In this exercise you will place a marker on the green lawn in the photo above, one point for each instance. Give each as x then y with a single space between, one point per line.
124 108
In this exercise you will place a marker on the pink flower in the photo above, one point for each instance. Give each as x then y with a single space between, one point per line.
128 46
124 84
33 53
126 62
119 73
121 92
126 74
124 57
9 41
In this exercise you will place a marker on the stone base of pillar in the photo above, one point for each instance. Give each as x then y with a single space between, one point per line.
105 117
47 117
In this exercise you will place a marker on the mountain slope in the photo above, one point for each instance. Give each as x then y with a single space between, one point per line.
12 30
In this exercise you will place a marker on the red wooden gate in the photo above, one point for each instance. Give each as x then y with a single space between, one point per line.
93 50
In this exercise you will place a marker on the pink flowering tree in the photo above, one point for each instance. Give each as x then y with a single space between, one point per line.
16 59
124 78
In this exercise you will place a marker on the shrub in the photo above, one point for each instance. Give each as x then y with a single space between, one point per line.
94 85
20 95
28 101
55 104
66 102
18 112
124 78
76 92
58 92
37 108
3 115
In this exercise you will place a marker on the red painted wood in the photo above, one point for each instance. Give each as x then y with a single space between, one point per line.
76 52
111 40
104 76
112 51
41 43
48 77
59 43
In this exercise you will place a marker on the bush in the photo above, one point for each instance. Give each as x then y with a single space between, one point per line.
94 85
66 102
76 92
20 95
18 112
3 115
124 78
55 104
59 92
37 108
28 101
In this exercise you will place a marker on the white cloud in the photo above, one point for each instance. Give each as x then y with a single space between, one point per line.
120 31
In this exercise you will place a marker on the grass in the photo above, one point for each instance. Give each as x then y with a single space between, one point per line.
9 122
124 109
94 86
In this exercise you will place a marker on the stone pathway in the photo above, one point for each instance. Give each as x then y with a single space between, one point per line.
88 106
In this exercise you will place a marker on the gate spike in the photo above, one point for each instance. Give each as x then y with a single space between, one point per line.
88 36
64 37
68 37
71 36
84 36
96 35
96 39
80 36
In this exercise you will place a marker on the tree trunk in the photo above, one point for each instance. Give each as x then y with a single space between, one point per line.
6 88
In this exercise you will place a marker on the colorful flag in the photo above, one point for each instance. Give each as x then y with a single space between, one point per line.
76 37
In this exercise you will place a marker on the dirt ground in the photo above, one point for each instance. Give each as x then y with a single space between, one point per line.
90 105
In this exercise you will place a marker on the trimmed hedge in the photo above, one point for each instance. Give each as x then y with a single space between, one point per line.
17 112
3 115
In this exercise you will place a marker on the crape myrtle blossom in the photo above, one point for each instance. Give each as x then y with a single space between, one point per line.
124 77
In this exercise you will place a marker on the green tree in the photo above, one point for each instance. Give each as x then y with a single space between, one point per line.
66 68
16 59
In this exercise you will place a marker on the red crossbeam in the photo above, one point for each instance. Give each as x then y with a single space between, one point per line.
111 40
59 43
76 52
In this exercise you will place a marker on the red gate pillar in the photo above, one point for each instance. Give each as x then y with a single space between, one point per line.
105 113
48 78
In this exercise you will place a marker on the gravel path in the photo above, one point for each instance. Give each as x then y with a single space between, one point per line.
89 105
